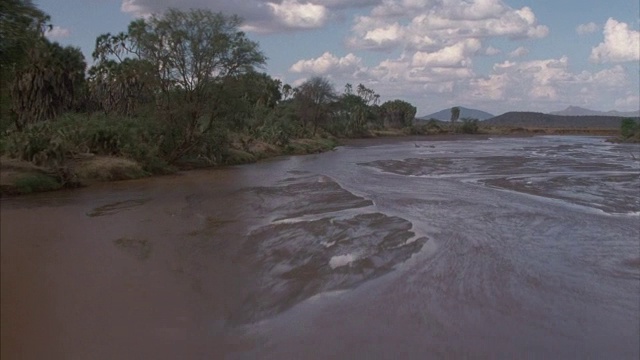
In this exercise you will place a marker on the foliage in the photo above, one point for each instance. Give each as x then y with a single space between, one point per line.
398 113
189 52
40 143
48 85
173 88
469 126
187 58
313 99
35 182
629 127
22 26
120 87
455 114
354 112
245 100
50 143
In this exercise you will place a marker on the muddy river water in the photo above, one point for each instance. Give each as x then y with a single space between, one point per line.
497 248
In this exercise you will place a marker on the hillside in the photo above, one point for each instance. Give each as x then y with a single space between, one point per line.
540 120
578 111
445 115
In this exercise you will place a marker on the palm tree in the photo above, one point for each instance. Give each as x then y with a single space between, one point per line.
455 114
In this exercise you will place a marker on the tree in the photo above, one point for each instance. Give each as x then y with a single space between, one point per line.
121 87
191 54
398 113
629 127
287 91
455 114
189 51
355 110
22 26
313 98
244 99
469 126
48 85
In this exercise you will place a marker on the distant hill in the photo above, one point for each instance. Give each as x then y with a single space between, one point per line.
540 120
445 115
578 111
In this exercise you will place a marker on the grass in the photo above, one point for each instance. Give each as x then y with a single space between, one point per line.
36 182
107 168
310 146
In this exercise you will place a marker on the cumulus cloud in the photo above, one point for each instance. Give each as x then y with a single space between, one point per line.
425 80
630 102
293 14
424 24
620 44
328 63
375 34
457 55
263 16
519 52
57 32
540 84
588 28
491 51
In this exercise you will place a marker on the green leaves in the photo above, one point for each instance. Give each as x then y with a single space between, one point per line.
455 114
398 113
629 127
48 85
21 25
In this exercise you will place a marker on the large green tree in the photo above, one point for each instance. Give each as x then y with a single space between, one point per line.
22 27
356 110
191 54
313 99
21 24
244 98
189 51
38 79
398 113
49 84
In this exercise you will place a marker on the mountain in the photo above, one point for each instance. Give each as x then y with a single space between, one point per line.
578 111
540 120
445 115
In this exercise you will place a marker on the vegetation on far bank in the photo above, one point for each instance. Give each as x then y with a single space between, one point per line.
176 91
180 90
629 131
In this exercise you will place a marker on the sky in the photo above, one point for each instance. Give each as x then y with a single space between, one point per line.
492 55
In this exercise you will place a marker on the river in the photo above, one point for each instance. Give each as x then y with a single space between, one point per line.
495 248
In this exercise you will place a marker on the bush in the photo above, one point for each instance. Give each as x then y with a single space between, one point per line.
50 143
469 126
39 143
36 182
138 139
629 127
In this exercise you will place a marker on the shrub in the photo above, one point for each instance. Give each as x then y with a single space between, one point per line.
36 182
469 126
50 143
39 143
629 127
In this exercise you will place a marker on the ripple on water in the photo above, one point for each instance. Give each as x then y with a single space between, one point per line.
116 207
297 262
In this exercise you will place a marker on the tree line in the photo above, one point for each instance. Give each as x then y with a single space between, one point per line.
185 84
